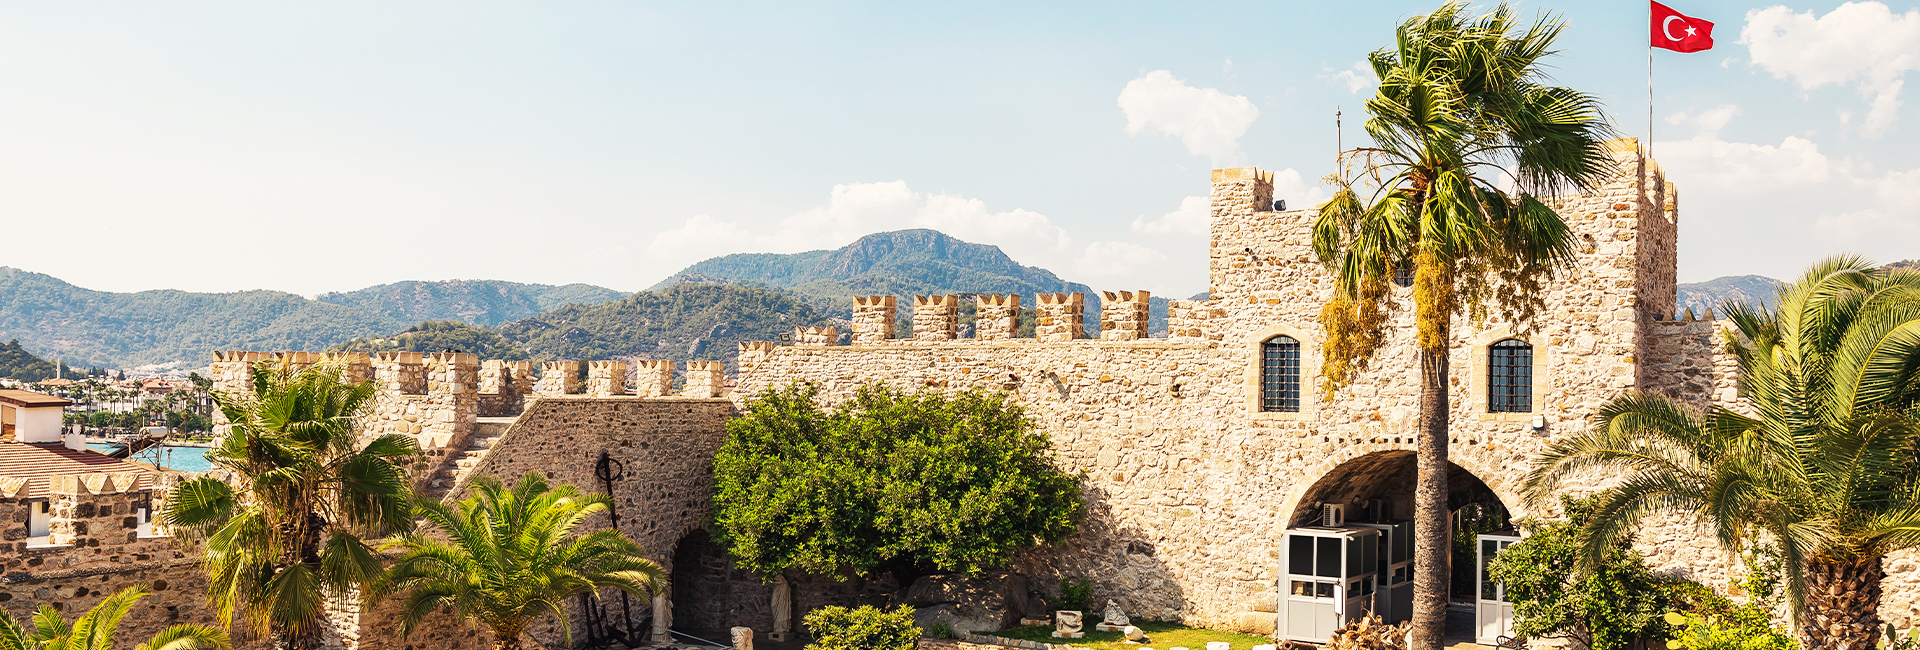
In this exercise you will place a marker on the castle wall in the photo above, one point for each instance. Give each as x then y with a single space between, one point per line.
666 446
1190 485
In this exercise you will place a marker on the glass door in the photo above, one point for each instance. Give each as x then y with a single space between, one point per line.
1493 611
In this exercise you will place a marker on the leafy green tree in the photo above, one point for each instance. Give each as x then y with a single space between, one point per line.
862 628
311 488
910 483
1607 607
511 556
1827 462
95 630
1463 103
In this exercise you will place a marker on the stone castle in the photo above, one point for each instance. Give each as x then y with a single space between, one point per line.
1200 449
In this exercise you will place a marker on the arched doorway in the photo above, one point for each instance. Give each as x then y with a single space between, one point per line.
1365 502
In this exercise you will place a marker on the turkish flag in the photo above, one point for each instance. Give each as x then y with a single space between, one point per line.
1675 31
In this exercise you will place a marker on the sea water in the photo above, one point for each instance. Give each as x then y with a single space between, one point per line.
185 459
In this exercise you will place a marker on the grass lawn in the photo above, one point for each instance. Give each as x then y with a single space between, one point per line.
1160 636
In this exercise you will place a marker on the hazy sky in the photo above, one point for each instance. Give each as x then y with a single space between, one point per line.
226 146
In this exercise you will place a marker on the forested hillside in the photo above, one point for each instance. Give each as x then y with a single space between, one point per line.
480 302
440 336
684 322
900 263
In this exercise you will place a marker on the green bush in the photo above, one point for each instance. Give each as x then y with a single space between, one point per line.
862 628
911 483
1714 622
1074 594
1605 608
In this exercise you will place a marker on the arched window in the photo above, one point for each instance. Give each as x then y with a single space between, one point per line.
1510 377
1280 375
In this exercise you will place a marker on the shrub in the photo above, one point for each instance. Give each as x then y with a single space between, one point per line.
862 628
1714 622
1605 608
1074 594
912 483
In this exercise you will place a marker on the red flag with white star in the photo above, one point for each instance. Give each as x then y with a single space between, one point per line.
1675 31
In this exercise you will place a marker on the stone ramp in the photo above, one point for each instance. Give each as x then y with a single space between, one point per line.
486 431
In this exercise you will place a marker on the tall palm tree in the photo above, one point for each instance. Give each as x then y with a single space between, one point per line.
1463 104
511 557
1826 461
310 489
95 629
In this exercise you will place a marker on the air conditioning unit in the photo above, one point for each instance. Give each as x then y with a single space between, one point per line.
1333 515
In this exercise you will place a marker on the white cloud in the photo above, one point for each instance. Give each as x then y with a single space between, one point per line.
1193 217
699 238
1709 121
1207 121
1359 78
1116 258
1861 43
1287 184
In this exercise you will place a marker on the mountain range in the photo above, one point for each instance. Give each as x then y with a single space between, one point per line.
85 327
699 313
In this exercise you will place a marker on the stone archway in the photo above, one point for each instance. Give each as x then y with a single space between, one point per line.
1491 469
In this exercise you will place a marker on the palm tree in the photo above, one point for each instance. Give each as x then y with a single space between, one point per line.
1462 103
1824 462
512 557
95 629
310 489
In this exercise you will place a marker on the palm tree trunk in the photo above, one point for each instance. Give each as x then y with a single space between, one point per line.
1843 604
1432 537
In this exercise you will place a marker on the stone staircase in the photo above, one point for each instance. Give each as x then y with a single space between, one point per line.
486 432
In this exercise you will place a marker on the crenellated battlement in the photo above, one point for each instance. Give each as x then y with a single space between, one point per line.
873 318
1123 315
936 318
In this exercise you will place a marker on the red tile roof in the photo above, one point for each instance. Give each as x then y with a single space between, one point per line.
19 397
37 462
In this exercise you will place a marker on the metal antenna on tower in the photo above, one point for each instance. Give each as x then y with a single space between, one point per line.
1338 142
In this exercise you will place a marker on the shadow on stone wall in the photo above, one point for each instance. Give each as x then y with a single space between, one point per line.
1123 562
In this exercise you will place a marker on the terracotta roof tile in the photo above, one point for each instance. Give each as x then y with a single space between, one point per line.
37 462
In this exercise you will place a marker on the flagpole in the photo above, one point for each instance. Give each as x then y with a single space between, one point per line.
1649 79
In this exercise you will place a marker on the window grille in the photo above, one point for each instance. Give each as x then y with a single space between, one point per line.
1280 375
1510 377
1403 274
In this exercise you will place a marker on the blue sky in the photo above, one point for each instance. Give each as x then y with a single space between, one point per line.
219 147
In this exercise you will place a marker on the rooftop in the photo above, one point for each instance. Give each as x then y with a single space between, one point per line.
38 462
30 399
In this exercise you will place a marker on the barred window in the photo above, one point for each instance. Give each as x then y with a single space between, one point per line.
1280 375
1510 377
